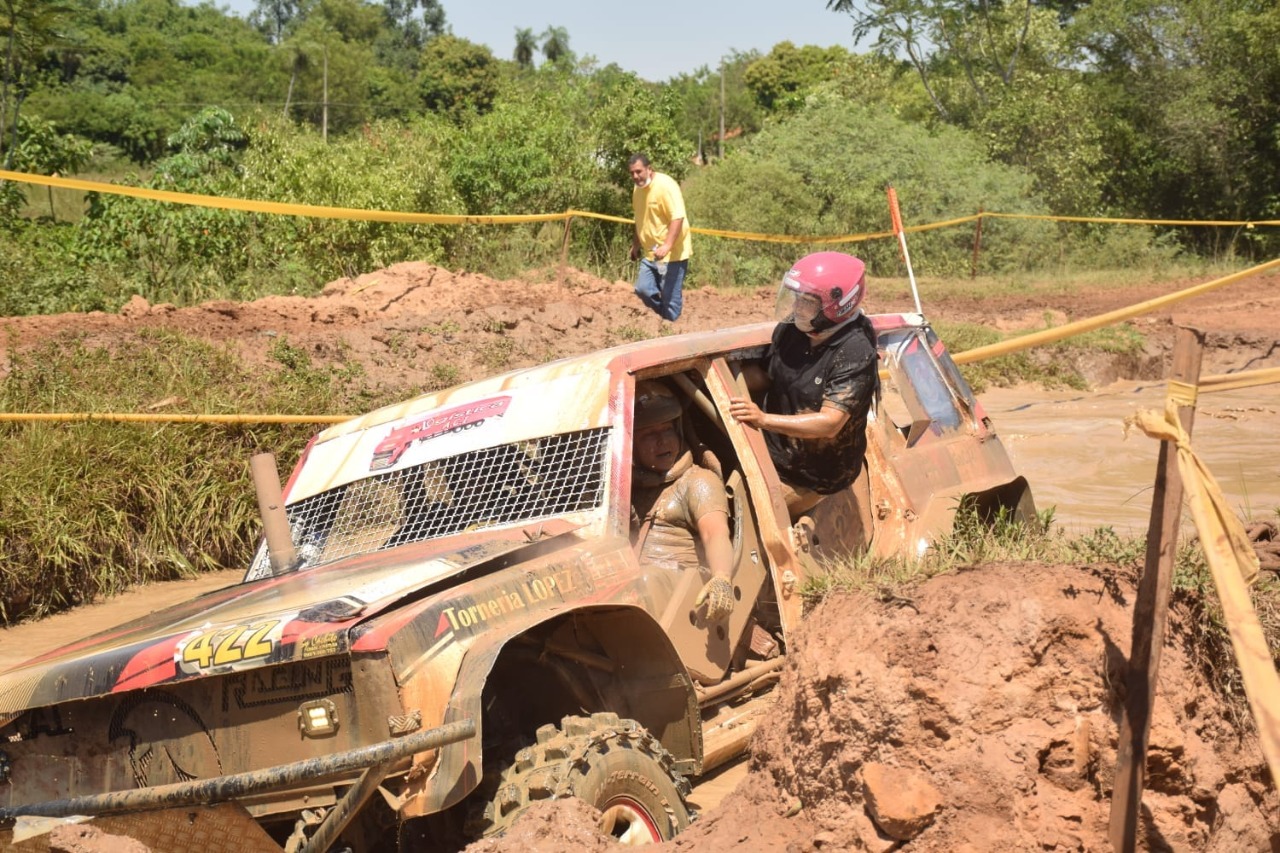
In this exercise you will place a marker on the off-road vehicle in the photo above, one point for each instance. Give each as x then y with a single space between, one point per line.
453 623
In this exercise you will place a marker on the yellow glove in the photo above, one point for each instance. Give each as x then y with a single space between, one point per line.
718 596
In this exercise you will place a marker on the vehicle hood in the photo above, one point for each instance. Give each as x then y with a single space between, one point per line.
296 616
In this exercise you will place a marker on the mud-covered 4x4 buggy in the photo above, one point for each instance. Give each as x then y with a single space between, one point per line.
457 624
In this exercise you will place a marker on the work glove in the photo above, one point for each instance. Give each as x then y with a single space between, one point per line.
718 596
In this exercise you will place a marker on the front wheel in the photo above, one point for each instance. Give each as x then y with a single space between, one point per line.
615 765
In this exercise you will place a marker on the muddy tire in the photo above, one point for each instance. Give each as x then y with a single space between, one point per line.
612 764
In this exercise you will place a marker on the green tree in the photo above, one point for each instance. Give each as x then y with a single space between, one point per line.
182 254
27 29
526 47
978 44
43 150
824 171
1046 126
273 17
780 80
699 99
413 29
331 53
555 45
1187 96
529 154
457 76
627 116
136 67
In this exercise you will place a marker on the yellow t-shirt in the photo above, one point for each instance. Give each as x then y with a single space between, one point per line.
654 207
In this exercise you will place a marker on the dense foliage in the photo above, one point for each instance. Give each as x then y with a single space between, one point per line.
823 173
92 508
1106 108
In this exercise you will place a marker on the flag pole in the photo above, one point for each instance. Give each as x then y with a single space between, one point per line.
902 244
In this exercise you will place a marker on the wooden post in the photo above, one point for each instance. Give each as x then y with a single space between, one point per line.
1150 611
977 244
564 248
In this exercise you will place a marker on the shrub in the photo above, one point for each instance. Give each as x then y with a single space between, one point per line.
824 172
90 508
185 254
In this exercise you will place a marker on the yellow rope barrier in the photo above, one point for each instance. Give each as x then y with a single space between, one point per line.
1181 393
323 212
278 207
1208 385
1234 381
1234 223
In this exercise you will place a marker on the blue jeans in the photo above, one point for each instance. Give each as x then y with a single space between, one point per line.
662 293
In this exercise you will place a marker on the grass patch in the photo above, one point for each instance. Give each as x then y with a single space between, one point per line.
1051 366
91 508
972 541
1027 366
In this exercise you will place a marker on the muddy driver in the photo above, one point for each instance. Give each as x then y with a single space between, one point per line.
680 514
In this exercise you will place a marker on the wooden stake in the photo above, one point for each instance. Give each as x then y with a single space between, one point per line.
564 248
977 244
1150 611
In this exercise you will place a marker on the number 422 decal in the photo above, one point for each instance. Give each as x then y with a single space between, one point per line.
228 645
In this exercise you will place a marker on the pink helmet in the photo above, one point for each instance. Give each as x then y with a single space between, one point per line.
821 290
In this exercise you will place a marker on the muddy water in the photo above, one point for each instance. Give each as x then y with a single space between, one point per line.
28 639
1072 449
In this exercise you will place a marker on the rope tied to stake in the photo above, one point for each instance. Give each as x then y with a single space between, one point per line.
1233 564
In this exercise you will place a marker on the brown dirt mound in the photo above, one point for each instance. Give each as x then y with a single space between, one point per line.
998 687
558 825
995 690
416 325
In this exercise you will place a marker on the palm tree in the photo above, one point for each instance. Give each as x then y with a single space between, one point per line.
555 43
526 46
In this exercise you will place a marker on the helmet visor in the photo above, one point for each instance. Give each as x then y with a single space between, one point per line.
802 309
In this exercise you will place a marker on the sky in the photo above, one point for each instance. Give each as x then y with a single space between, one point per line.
655 41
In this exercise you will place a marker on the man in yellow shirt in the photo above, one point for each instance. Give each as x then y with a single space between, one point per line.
661 240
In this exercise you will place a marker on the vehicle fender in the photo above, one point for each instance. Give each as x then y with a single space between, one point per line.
654 687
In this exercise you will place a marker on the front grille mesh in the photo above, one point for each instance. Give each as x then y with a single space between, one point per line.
518 482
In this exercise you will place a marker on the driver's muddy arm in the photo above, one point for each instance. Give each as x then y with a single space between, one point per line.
713 530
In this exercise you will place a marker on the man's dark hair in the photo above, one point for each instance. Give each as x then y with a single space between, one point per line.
638 158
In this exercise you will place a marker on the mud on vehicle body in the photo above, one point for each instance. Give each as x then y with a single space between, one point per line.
464 628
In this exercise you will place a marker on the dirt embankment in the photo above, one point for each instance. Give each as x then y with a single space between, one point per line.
415 325
981 714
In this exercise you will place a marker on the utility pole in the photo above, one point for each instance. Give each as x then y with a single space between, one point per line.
324 114
720 147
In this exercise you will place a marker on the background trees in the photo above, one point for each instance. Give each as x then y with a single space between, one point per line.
1150 108
27 29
